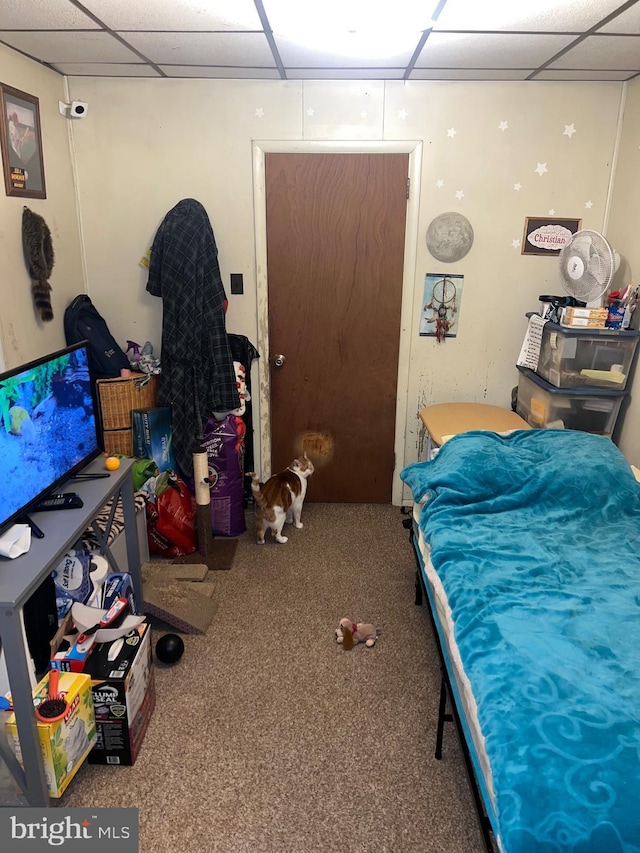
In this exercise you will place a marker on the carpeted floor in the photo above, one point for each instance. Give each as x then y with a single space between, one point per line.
269 738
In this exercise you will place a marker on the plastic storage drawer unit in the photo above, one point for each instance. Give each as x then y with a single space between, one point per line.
581 358
587 409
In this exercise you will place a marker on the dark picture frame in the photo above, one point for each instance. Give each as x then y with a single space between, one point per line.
550 230
21 144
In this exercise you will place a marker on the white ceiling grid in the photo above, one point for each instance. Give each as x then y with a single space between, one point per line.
252 39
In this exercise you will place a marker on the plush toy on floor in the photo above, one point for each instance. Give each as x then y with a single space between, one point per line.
349 634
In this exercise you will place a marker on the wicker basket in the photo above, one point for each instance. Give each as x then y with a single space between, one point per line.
118 442
117 398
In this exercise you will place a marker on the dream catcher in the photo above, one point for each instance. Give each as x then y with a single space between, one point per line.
442 306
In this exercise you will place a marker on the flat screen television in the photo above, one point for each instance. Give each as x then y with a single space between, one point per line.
48 428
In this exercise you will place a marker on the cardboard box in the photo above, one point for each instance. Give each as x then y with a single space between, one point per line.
123 696
65 743
152 436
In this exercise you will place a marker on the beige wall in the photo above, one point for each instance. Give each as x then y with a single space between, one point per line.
623 233
23 336
145 144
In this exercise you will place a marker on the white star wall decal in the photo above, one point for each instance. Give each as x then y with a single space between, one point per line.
310 111
541 168
439 183
363 114
259 112
459 195
569 130
588 204
515 244
552 211
451 132
517 187
504 125
402 114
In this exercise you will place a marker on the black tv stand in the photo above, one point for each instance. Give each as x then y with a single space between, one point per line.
61 500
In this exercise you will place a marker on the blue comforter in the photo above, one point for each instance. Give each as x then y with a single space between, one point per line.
536 538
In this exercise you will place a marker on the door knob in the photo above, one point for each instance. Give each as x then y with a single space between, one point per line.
279 360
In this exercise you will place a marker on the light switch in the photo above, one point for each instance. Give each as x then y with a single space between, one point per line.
237 285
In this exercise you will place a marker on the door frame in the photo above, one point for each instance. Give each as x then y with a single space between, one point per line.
260 149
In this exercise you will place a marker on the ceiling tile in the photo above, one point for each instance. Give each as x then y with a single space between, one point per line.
70 46
475 50
559 74
558 16
205 71
239 49
176 15
628 22
45 15
104 69
606 52
470 73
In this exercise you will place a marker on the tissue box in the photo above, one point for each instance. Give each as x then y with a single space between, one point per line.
67 742
124 697
152 436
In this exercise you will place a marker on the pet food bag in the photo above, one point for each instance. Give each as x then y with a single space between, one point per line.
224 443
171 527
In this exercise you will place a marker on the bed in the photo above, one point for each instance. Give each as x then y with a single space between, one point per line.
528 550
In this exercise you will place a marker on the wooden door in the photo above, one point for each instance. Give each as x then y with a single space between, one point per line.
335 251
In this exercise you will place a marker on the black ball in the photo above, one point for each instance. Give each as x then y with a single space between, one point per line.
169 648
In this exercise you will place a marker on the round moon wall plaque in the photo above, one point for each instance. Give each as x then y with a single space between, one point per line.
449 237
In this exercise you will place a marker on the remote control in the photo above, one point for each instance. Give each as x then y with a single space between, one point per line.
66 500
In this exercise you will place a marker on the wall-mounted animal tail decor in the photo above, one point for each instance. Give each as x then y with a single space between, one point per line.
39 257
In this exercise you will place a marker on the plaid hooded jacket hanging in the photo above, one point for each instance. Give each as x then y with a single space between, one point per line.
197 376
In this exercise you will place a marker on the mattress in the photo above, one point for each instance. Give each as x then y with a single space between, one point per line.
459 681
533 573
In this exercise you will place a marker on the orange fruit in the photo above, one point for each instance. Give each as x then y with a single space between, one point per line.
112 463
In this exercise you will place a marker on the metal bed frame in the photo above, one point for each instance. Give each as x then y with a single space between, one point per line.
447 697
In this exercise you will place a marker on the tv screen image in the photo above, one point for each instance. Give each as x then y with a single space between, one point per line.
48 428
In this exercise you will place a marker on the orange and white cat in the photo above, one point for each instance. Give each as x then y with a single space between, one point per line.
281 498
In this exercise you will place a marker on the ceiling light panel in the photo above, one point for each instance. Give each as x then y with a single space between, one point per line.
176 15
360 29
475 50
542 15
295 54
345 73
203 48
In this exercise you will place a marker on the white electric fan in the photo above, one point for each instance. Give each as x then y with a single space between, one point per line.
587 266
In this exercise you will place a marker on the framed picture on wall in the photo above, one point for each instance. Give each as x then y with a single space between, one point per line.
21 143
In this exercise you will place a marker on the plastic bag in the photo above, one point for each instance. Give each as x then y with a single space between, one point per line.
141 471
171 528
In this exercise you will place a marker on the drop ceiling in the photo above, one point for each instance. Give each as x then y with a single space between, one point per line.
255 39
